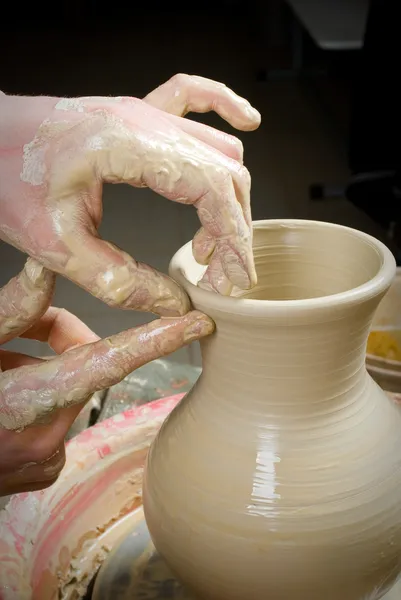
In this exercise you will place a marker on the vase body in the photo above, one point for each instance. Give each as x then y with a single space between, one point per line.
278 477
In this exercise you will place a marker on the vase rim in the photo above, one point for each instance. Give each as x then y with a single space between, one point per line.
183 262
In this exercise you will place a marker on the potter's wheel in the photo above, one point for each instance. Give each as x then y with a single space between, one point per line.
135 571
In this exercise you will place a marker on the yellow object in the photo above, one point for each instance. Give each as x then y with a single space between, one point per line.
385 344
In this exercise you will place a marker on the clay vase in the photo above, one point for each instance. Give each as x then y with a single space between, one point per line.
278 477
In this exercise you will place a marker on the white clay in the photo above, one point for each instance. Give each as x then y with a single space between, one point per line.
279 475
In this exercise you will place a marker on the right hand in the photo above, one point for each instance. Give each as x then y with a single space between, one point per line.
57 153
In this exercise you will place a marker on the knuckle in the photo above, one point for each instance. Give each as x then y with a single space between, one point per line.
181 80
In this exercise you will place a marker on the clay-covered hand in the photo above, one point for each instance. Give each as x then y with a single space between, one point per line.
56 154
40 399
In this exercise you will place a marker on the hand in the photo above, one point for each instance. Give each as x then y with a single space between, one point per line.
56 154
40 399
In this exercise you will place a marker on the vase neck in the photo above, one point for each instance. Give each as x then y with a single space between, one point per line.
299 365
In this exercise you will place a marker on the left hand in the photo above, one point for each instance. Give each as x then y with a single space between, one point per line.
40 399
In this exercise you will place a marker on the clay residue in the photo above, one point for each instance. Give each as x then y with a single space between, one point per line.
85 558
78 584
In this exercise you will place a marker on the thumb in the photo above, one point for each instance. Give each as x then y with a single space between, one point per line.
24 299
30 393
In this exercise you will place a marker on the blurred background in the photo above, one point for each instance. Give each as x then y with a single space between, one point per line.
327 148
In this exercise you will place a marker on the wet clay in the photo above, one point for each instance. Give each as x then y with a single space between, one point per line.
279 475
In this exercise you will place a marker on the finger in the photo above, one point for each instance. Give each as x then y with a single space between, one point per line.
61 330
215 277
117 279
228 262
29 394
204 242
203 245
24 299
242 186
226 144
190 93
221 215
169 98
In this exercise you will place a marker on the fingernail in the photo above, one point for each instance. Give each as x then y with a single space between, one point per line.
201 327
